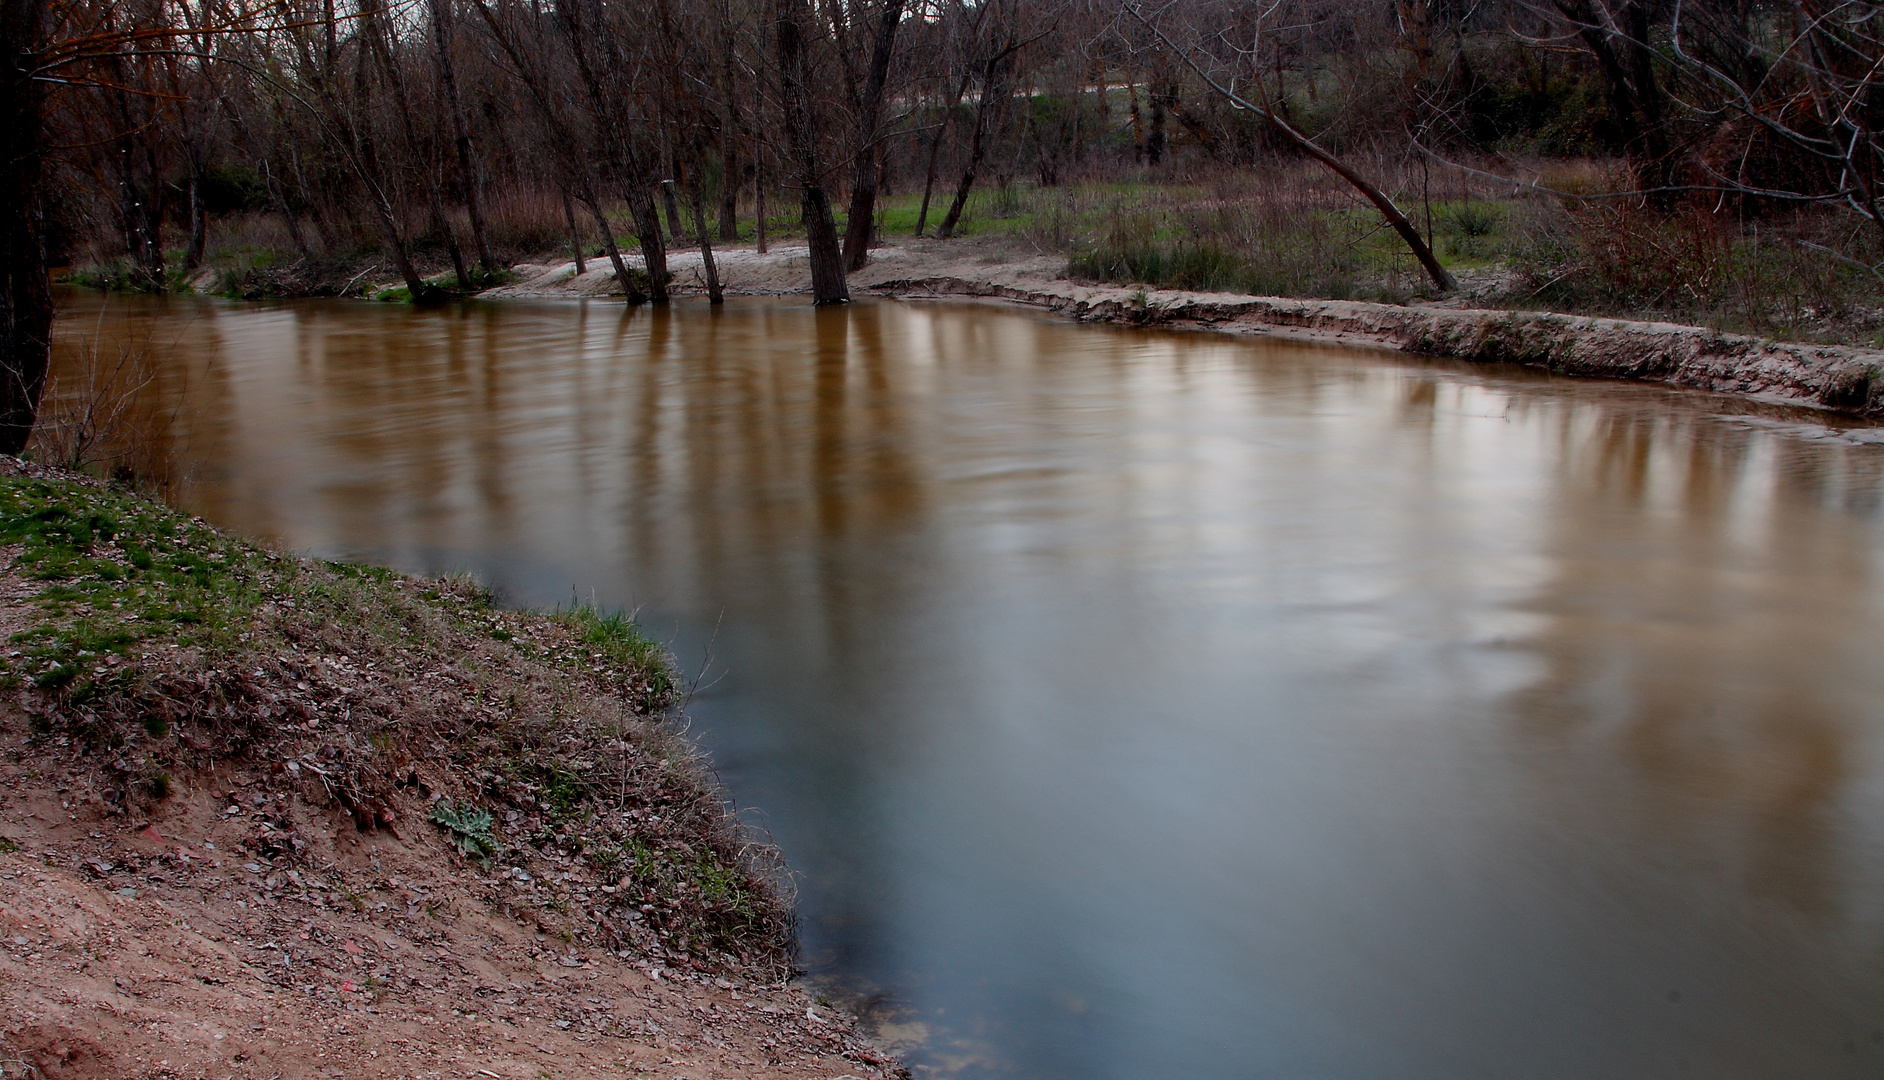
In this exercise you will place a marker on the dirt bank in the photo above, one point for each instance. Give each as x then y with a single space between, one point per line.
268 817
1840 378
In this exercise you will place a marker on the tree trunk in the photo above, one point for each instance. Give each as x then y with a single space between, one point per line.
622 274
935 149
675 227
860 228
732 172
460 134
729 194
758 199
827 258
199 223
621 150
288 216
575 234
1629 86
714 295
653 247
365 157
991 106
1154 142
25 291
1138 130
1441 277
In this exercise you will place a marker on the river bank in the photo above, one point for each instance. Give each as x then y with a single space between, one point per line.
1840 378
266 816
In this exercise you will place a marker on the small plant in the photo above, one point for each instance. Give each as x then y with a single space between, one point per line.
1473 219
160 786
469 827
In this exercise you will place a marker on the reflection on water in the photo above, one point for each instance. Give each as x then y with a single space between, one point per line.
1135 704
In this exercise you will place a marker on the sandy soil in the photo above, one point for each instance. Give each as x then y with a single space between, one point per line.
1837 378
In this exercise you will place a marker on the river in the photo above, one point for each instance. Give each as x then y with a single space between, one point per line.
1138 704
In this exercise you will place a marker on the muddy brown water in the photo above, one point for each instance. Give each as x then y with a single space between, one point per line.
1136 704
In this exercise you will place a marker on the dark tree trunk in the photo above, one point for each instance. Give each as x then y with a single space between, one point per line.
25 291
758 200
860 228
633 292
730 183
629 160
988 112
714 295
653 248
365 157
827 258
460 134
1154 142
676 227
732 171
935 151
1629 86
288 216
575 234
199 223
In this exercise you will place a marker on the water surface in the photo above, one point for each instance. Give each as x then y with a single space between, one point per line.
1135 704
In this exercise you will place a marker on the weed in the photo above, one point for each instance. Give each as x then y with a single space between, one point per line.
8 846
469 827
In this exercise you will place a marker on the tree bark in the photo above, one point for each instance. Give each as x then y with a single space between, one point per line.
827 258
860 228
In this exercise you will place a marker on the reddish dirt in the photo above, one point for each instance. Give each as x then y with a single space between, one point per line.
162 947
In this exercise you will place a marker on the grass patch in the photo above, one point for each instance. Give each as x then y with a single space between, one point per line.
159 648
119 573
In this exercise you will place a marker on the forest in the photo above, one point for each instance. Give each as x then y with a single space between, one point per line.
1707 160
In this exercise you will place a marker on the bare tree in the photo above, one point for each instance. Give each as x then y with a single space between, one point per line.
1206 65
801 135
860 228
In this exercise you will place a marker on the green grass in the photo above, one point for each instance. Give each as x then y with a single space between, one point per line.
120 572
617 640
